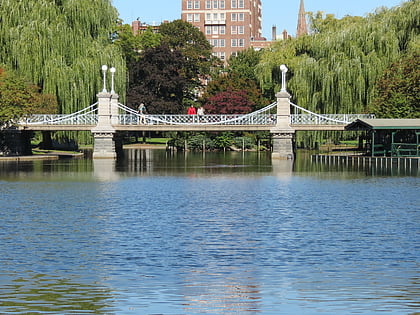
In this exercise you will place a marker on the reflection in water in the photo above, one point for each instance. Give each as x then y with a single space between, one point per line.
41 293
234 233
104 169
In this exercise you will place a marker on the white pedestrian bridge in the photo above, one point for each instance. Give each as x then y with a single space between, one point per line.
127 119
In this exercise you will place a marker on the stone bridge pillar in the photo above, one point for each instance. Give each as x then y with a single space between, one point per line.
282 133
106 141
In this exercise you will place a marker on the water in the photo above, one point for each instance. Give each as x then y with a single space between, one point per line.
215 234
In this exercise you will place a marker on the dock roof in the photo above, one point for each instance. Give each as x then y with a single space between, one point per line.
374 124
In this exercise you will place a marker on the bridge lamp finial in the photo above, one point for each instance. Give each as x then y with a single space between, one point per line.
104 68
112 70
283 70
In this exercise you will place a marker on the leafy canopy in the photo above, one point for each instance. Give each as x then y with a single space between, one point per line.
19 98
157 80
399 89
167 76
60 45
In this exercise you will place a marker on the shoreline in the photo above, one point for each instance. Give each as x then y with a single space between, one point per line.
45 155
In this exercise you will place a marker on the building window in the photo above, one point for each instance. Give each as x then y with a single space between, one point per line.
234 4
222 4
215 30
208 30
215 2
241 17
222 16
241 42
234 29
241 4
234 42
208 4
189 5
196 4
234 17
222 43
215 16
197 17
208 16
189 17
222 55
222 29
241 29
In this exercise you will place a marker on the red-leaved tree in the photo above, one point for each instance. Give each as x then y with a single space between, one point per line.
229 102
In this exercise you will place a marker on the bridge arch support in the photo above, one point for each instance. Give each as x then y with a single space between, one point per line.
282 133
107 143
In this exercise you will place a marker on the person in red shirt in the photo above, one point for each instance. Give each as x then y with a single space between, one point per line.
191 110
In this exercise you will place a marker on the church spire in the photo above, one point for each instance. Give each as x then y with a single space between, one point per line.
302 28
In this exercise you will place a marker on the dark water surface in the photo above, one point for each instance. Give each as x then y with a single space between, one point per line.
226 233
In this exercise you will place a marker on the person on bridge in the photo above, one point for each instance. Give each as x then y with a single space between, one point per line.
142 109
200 111
191 110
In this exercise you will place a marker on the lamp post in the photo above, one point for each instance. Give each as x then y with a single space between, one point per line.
104 68
283 70
112 70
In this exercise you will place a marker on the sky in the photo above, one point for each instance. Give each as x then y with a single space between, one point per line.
282 13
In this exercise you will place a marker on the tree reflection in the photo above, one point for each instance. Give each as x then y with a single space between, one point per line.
44 293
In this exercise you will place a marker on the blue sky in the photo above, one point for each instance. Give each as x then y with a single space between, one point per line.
282 13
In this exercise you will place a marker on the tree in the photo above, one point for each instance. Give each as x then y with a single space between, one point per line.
244 63
167 76
158 81
129 43
19 98
229 102
320 23
335 69
244 93
149 39
399 89
60 46
192 43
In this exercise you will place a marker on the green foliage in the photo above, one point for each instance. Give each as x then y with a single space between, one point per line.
244 63
149 39
224 140
129 43
183 36
244 142
19 98
166 77
399 89
199 141
335 70
328 23
60 46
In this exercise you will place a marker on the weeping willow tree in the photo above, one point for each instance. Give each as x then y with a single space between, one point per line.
60 45
334 70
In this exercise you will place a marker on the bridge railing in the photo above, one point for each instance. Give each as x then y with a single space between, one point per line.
133 119
326 119
83 119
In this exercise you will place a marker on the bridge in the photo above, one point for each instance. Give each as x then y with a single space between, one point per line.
107 119
128 119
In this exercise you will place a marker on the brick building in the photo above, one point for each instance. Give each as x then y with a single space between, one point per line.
229 25
140 27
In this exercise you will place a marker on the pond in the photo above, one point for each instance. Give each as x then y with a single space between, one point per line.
213 233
